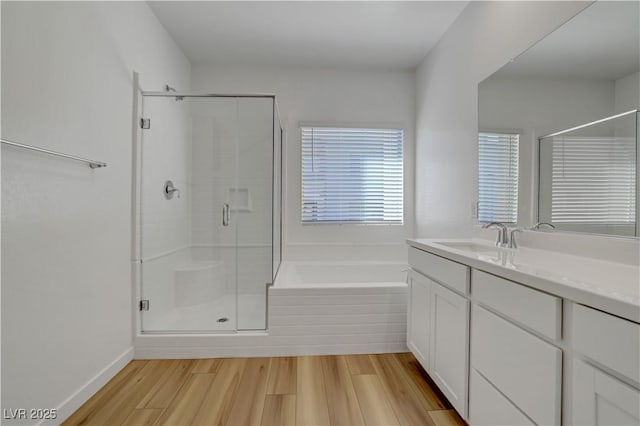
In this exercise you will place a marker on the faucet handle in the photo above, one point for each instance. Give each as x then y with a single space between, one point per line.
512 237
537 226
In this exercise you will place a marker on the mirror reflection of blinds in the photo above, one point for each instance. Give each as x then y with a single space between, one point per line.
498 177
593 180
352 175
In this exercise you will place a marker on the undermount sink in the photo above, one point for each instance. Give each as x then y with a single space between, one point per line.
468 246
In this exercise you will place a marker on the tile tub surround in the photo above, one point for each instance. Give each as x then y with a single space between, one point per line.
605 285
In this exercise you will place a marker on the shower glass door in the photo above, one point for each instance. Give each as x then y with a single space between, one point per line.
206 236
251 205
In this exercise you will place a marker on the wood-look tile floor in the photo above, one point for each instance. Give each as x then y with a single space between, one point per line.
387 389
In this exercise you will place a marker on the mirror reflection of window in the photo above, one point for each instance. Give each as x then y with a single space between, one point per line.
589 177
593 180
498 177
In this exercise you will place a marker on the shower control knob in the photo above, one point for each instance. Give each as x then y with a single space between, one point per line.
169 190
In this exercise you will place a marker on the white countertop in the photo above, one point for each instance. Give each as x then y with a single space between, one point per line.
607 286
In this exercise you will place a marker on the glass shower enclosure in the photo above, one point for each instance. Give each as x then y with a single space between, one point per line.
210 204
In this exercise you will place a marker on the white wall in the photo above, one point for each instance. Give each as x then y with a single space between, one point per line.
67 80
627 93
626 98
536 107
485 36
353 97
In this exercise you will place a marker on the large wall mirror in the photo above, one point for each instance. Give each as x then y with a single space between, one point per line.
558 128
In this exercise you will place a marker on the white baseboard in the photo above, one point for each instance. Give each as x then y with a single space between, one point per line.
86 391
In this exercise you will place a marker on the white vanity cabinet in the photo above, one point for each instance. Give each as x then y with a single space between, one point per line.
603 341
438 323
507 348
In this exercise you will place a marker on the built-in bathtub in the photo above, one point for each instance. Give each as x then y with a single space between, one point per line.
340 307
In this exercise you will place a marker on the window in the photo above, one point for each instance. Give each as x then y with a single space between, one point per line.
352 175
593 180
498 177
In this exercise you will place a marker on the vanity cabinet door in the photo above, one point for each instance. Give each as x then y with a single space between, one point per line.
524 368
600 399
488 407
611 341
449 363
418 317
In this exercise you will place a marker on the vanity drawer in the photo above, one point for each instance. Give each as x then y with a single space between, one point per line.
539 311
524 368
614 342
448 272
489 407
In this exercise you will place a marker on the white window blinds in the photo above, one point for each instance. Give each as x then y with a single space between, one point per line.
352 175
498 177
593 180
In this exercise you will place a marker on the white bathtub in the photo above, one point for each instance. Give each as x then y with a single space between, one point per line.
340 274
339 307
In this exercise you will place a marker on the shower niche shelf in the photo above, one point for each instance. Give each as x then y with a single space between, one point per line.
240 200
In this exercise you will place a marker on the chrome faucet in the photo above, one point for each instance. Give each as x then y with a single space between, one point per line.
501 241
539 224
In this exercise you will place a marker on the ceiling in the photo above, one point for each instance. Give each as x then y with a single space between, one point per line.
346 34
601 42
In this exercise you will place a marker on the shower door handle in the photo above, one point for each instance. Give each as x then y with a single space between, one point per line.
225 214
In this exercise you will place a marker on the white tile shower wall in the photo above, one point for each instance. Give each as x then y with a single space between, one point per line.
349 97
213 172
66 230
485 36
232 143
166 155
255 169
